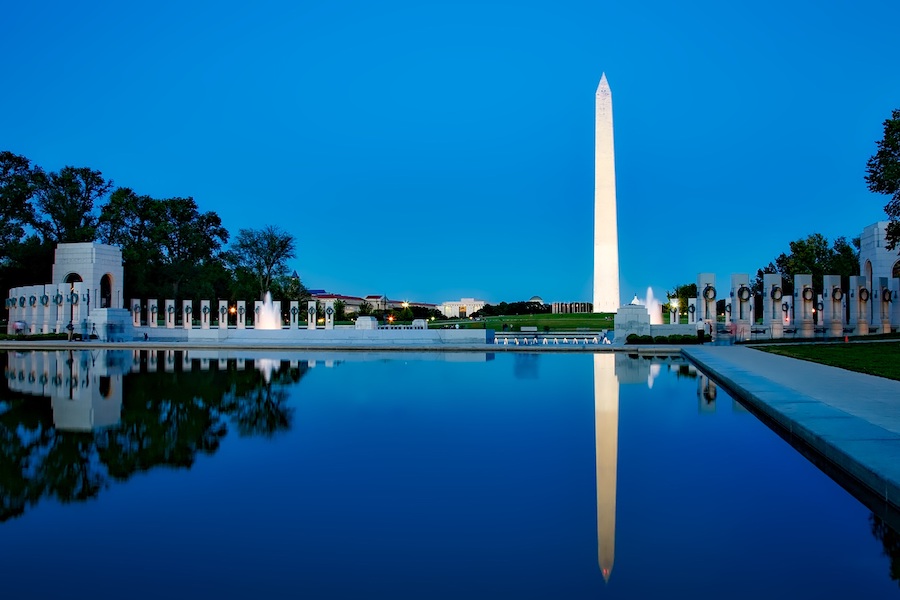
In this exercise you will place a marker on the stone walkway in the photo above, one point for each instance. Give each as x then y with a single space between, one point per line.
850 418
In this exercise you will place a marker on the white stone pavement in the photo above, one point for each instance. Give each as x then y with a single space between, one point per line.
852 419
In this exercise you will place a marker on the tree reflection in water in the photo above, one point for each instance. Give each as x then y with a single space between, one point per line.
167 418
890 542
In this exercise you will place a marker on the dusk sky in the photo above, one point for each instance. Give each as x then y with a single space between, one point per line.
435 150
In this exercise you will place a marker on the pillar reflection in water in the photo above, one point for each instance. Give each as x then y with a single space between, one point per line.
85 387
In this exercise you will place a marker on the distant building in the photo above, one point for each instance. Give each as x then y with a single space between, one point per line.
351 303
461 308
562 308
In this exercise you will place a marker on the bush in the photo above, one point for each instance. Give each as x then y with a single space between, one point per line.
661 339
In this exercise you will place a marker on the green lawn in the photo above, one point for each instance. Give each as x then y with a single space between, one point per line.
882 359
568 322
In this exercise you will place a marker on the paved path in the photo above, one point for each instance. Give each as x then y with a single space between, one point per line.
850 418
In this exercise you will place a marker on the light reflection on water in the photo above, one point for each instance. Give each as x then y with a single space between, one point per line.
415 475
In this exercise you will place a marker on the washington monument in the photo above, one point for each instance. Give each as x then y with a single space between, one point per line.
606 237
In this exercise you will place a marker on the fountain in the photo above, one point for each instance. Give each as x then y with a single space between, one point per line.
268 316
654 307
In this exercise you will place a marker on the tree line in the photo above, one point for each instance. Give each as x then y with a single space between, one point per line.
169 246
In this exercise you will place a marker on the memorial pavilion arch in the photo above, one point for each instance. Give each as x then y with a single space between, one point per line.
70 280
105 300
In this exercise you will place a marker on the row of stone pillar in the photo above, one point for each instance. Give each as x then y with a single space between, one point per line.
48 308
860 309
209 316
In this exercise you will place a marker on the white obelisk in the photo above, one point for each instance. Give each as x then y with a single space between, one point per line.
606 236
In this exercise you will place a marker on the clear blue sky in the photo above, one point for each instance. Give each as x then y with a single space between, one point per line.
433 150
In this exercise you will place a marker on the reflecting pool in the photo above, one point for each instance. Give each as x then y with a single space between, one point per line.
411 475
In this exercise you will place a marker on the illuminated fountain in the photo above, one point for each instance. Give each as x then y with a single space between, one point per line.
654 307
268 316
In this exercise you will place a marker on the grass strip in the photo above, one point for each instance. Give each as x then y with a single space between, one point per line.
882 359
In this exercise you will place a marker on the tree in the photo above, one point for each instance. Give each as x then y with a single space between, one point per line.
132 222
16 189
65 203
187 240
365 308
681 293
883 175
813 255
264 253
340 310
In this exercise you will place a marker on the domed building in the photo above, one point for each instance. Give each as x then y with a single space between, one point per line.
536 299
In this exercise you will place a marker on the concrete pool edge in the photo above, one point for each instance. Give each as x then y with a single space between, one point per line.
868 453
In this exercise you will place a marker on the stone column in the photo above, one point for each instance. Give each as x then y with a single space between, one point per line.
187 310
804 303
136 312
170 314
706 288
241 314
152 312
773 299
741 305
692 311
329 314
257 309
295 314
885 297
223 314
205 314
895 300
311 314
859 296
832 305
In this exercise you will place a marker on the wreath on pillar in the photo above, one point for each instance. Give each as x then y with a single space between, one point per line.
728 308
784 307
137 308
188 309
154 309
170 309
808 293
864 294
32 300
58 299
886 295
692 309
73 297
744 293
45 299
294 310
837 294
776 293
241 310
312 310
205 310
329 311
709 293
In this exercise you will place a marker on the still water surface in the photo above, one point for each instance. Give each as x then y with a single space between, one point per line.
146 475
